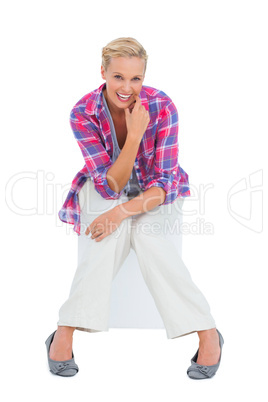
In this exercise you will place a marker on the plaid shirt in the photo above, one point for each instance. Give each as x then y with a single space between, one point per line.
156 162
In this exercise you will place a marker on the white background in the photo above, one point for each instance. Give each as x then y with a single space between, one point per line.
210 57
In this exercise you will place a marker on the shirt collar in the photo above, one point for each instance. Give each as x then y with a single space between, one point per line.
95 104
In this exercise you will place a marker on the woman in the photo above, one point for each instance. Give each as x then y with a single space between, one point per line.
127 194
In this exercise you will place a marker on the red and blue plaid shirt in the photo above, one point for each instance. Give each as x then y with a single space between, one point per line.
156 162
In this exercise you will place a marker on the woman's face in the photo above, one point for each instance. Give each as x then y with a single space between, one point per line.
124 76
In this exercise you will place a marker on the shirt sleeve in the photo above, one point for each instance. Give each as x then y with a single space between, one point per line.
97 160
166 168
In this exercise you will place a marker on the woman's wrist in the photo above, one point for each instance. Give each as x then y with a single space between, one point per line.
133 139
121 211
144 202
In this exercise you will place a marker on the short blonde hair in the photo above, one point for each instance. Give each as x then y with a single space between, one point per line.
123 47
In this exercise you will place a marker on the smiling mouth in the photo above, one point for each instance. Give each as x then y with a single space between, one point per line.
122 97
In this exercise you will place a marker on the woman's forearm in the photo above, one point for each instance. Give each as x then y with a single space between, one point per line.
119 173
144 202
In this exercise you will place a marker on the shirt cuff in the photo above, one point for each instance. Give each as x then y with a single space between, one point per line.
105 190
165 181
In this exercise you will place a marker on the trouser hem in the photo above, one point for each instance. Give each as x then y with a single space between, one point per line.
173 335
82 327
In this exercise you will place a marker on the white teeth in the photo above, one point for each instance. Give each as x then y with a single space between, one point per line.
124 96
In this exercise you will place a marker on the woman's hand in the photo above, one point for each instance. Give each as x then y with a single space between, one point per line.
137 120
105 224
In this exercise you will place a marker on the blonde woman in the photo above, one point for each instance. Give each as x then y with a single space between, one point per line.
128 193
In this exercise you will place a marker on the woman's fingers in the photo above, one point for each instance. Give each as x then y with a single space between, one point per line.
138 102
99 238
133 105
104 224
96 231
91 229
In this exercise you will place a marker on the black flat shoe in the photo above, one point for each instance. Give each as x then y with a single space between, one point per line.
199 372
66 368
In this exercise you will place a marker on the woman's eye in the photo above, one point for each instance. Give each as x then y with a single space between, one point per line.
119 76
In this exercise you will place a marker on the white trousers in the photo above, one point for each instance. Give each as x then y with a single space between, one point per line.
181 305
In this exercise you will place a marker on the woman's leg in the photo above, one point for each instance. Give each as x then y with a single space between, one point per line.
61 347
180 303
209 348
88 305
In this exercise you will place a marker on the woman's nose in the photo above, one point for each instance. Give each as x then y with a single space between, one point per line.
127 87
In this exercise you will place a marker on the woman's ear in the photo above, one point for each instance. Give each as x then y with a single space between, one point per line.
103 75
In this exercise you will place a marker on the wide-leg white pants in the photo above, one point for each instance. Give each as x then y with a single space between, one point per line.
181 305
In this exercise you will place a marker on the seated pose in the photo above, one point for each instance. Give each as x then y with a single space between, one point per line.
128 195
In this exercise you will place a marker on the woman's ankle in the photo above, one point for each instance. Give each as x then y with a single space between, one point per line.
65 331
207 334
